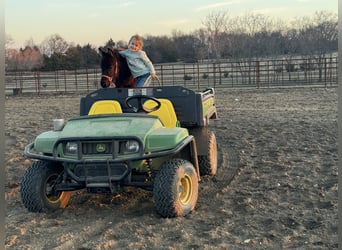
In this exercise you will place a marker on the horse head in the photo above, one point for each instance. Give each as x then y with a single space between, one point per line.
109 67
114 69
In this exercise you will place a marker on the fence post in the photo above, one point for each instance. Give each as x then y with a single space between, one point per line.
268 73
162 75
214 71
87 79
173 76
184 75
96 85
258 74
220 73
282 72
65 85
325 72
21 80
330 70
56 81
193 74
198 77
37 81
76 79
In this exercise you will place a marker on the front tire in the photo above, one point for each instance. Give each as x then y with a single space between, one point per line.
37 187
175 188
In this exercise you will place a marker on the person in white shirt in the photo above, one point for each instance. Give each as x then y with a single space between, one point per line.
138 62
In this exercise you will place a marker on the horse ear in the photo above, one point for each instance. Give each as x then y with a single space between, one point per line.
110 51
102 50
106 50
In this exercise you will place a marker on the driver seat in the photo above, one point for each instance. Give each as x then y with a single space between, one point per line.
105 107
166 112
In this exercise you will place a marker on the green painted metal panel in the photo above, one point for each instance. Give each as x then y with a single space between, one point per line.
165 138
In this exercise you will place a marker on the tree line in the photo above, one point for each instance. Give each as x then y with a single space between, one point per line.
222 37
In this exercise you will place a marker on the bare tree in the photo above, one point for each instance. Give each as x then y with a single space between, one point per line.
247 40
252 30
326 32
202 37
186 46
318 34
9 41
54 44
318 37
30 58
30 43
9 53
215 24
11 59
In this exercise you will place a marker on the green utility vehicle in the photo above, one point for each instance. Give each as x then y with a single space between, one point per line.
155 138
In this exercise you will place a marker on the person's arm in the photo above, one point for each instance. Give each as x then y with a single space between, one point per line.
148 63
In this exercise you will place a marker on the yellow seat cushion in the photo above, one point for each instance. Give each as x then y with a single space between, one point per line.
105 107
166 112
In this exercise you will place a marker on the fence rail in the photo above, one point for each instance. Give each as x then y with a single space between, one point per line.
259 74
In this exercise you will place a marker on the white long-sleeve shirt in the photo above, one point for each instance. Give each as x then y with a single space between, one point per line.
138 62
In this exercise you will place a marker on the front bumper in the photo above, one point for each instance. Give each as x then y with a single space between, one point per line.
80 159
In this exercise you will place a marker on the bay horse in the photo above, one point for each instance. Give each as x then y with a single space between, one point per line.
114 70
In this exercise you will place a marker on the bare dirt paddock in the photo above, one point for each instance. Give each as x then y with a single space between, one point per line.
276 186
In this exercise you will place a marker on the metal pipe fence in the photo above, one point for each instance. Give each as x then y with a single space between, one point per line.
196 76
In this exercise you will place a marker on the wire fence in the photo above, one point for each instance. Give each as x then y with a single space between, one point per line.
196 76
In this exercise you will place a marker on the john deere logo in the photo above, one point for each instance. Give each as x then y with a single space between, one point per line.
100 148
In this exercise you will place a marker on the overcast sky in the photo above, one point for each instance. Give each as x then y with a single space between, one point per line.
95 21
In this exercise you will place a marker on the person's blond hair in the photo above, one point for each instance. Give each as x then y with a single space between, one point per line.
138 39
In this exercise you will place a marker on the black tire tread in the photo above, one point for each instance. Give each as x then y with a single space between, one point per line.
165 194
204 161
31 194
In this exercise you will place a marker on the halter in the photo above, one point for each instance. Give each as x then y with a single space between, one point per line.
109 78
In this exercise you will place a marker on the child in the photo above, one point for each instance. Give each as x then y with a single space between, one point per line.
140 65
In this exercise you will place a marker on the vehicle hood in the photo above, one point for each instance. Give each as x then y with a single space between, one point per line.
116 125
147 128
100 126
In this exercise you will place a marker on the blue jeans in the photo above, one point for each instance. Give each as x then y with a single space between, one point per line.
140 80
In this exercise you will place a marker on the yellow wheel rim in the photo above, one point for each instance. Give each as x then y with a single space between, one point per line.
185 189
48 189
61 197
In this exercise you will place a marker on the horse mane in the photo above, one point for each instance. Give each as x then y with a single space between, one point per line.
122 77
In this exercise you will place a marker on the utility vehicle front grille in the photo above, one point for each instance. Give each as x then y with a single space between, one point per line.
95 148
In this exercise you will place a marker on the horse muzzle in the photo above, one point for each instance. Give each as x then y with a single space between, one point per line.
107 81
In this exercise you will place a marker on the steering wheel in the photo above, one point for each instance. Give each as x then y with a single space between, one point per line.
141 99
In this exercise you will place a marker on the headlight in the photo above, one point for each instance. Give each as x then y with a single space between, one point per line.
71 148
131 146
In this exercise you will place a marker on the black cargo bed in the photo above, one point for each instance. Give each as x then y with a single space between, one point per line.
193 109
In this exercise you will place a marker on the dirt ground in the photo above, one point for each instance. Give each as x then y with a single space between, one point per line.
276 186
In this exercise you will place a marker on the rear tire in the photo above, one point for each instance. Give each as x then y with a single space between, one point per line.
37 187
175 188
208 163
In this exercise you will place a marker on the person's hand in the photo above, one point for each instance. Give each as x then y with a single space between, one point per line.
112 85
153 75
